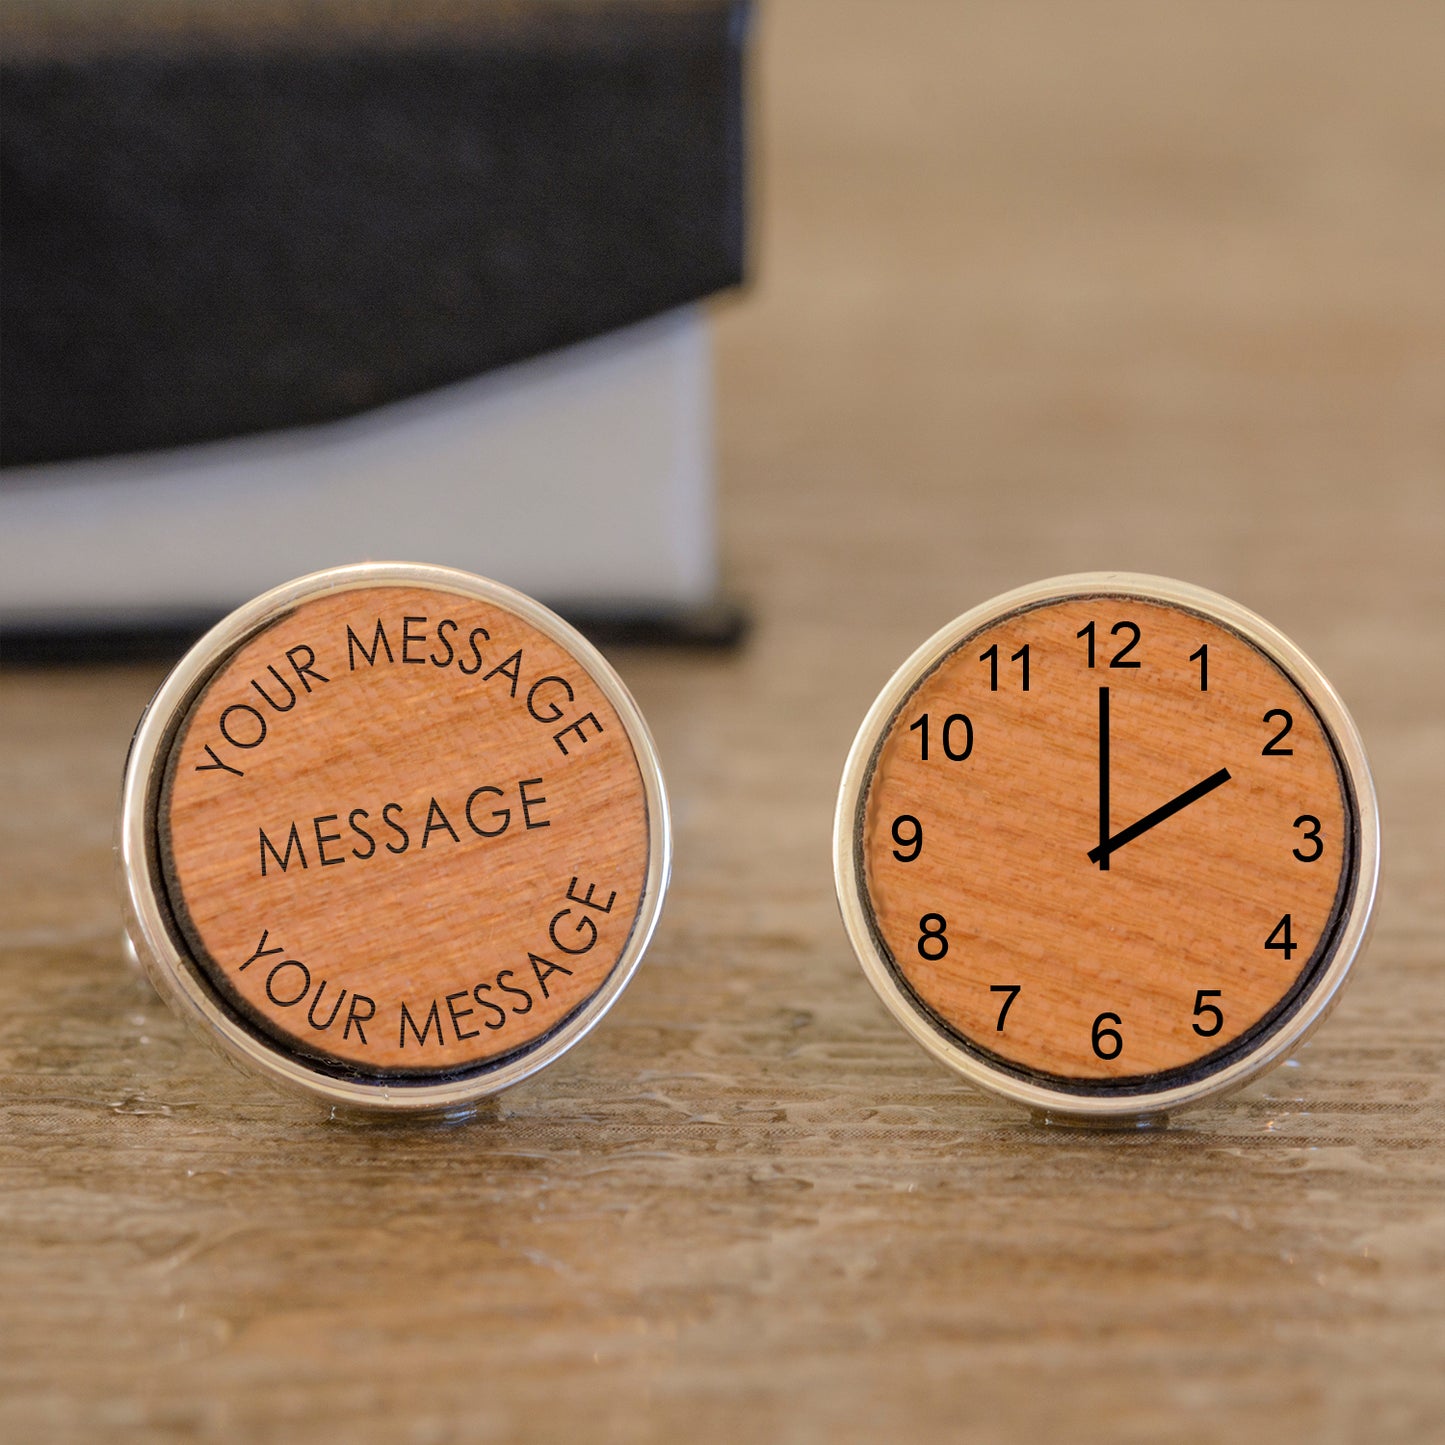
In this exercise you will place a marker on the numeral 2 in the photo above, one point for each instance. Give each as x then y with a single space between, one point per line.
1272 748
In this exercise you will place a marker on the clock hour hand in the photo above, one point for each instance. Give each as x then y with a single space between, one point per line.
1100 855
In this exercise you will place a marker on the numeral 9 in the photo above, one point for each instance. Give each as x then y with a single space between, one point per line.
907 833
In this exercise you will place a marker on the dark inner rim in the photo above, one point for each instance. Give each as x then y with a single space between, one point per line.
197 958
1127 1084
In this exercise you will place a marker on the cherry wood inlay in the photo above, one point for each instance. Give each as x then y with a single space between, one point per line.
1178 922
404 831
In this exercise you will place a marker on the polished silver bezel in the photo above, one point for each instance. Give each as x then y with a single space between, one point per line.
181 981
1357 904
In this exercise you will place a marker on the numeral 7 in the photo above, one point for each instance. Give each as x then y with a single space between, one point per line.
1012 990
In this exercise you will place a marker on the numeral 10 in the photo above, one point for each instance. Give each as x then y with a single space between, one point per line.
957 736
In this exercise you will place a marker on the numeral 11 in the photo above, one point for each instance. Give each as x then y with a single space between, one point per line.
990 656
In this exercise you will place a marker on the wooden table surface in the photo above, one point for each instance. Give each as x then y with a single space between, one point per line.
1042 288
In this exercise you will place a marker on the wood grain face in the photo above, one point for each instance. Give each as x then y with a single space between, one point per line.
403 832
977 861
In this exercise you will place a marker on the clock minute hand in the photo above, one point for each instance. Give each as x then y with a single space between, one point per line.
1149 820
1103 849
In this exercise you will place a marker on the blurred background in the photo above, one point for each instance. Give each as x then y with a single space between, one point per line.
1025 288
285 287
1168 267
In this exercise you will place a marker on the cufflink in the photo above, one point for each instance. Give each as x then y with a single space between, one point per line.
393 835
1108 846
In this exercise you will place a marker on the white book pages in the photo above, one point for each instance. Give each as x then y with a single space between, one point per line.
581 477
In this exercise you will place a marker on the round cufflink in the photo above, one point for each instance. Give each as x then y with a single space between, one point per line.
1107 846
394 835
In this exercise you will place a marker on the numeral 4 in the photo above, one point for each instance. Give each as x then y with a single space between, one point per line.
1281 938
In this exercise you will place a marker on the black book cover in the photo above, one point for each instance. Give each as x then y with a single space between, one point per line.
216 221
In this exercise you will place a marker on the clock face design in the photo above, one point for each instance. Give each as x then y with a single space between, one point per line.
1105 844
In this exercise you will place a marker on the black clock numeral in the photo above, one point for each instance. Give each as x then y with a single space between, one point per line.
1012 990
1202 658
1272 749
1311 825
931 928
1102 1037
951 724
907 824
1281 938
990 656
1201 1008
1087 632
1118 659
